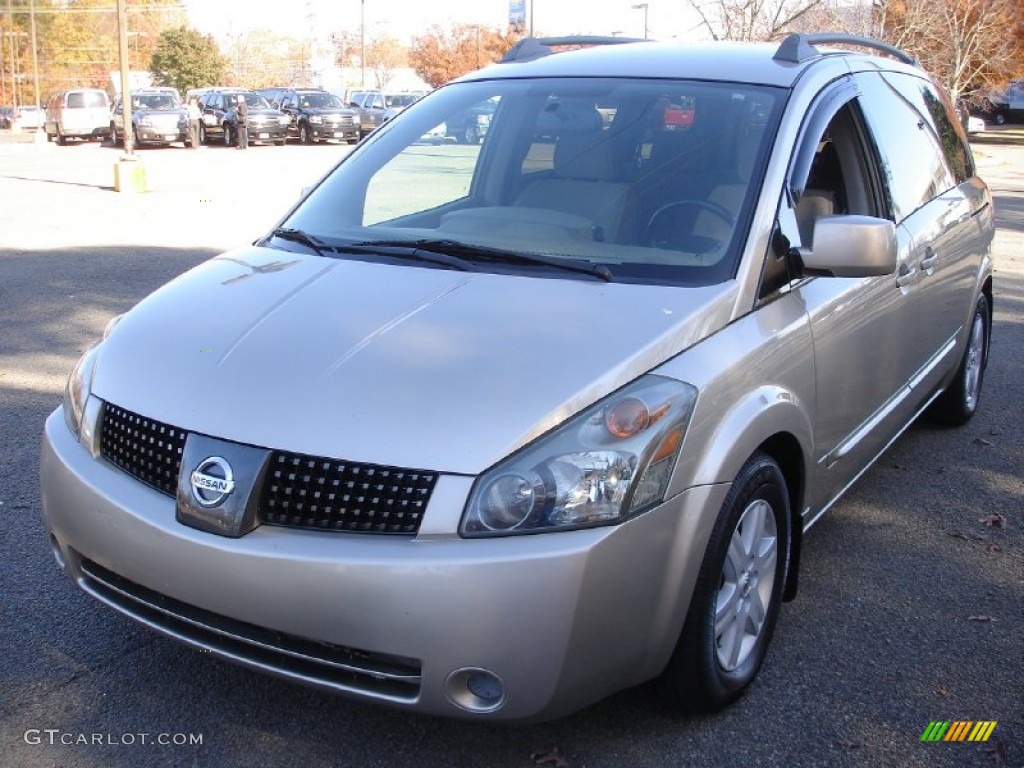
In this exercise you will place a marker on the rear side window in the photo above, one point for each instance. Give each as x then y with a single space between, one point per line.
932 106
86 99
913 164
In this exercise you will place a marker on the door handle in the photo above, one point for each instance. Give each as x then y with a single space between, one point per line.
930 259
905 275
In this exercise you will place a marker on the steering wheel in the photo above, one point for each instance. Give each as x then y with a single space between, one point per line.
664 231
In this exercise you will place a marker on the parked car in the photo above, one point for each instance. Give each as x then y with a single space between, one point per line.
27 117
399 101
6 116
470 125
220 118
1006 105
372 109
496 431
78 113
316 115
158 117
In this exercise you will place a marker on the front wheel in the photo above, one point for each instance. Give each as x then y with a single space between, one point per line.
305 136
736 600
202 134
229 138
958 403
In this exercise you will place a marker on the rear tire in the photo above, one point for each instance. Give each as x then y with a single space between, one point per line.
736 600
959 402
202 134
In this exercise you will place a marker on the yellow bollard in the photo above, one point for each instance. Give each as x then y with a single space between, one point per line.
129 175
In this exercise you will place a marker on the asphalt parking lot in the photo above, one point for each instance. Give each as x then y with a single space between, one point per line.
911 605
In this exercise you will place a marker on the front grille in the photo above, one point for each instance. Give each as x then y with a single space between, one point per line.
325 665
148 450
299 491
309 492
165 122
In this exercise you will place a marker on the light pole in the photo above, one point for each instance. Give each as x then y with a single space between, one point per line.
40 132
362 43
645 7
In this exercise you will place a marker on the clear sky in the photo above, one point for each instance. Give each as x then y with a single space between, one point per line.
405 18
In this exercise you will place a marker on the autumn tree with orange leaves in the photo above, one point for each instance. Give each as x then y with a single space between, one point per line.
443 54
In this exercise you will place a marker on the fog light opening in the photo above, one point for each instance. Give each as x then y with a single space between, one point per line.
475 690
58 555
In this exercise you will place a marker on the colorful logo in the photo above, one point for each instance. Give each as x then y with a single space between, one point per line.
958 730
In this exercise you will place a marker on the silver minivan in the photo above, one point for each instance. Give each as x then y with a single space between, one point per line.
495 430
79 113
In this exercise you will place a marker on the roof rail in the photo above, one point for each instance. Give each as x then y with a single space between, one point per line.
800 46
530 48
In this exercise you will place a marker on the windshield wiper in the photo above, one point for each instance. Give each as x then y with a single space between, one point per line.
298 236
471 252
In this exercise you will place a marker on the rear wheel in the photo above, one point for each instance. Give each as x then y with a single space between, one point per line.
958 403
202 133
61 138
114 139
737 596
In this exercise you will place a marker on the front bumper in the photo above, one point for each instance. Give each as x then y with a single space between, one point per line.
159 134
266 132
346 131
561 620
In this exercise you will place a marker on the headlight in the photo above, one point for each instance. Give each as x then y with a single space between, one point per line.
316 119
603 466
79 384
77 390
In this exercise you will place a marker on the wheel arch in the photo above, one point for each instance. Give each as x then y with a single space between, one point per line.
787 452
772 420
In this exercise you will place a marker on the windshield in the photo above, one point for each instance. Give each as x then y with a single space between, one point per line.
651 179
155 101
252 100
319 101
400 99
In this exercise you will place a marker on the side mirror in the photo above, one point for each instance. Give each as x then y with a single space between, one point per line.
851 246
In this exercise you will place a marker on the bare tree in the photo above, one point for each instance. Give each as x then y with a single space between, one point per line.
750 19
965 44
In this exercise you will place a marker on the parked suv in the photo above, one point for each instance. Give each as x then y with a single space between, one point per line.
316 115
220 118
372 108
497 430
79 113
158 117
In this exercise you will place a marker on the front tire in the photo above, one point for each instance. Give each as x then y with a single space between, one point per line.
202 134
229 140
738 594
959 402
305 136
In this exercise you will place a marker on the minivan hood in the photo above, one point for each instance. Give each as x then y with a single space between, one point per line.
399 365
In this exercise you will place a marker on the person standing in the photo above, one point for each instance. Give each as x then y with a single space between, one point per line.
242 122
194 116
